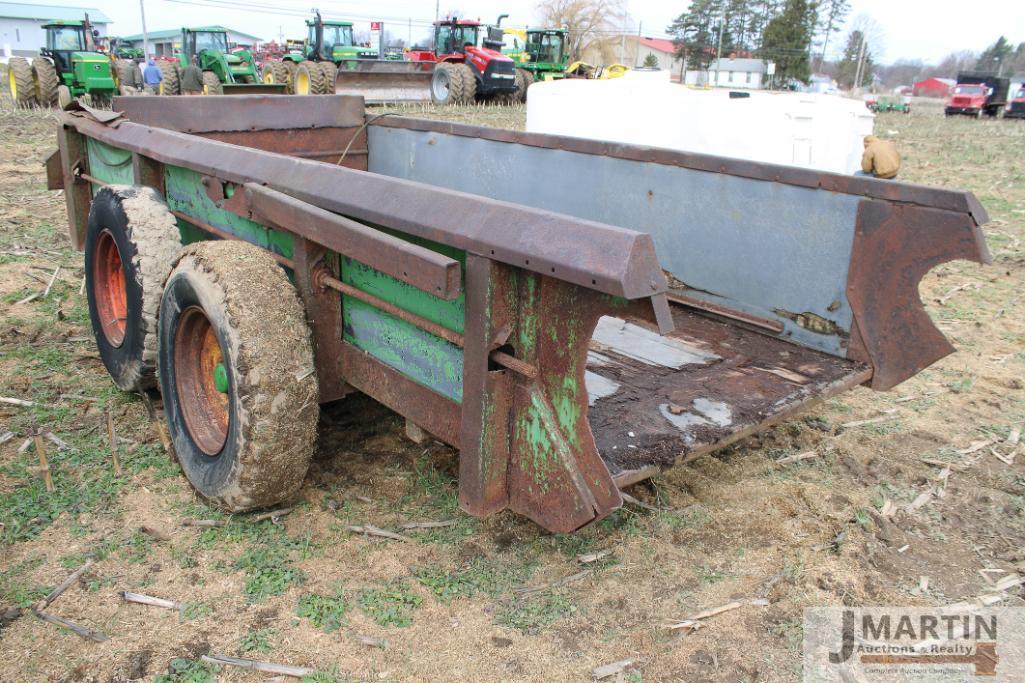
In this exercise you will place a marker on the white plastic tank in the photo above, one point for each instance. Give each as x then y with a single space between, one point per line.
817 131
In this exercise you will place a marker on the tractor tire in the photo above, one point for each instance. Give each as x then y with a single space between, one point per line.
274 73
237 375
47 81
131 244
469 79
291 67
21 83
171 84
524 79
308 79
63 96
330 72
211 84
453 84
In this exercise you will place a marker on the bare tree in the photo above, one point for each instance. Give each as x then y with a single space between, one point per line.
592 24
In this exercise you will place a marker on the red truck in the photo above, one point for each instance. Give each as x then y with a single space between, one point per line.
978 93
1016 107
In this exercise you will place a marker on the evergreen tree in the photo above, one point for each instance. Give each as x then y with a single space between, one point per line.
696 33
651 61
847 67
832 17
787 40
994 57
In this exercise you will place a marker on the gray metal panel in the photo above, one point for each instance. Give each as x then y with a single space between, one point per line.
750 244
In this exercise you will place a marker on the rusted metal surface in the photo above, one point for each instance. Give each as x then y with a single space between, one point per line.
244 113
236 89
556 476
330 145
148 172
77 193
597 256
738 382
726 312
382 81
54 176
894 247
428 409
952 200
491 313
415 265
324 312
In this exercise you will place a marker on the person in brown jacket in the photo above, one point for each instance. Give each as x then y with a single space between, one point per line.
880 159
192 78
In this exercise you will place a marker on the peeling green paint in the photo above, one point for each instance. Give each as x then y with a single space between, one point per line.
109 164
185 192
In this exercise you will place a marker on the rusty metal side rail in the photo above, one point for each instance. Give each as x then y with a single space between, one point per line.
593 255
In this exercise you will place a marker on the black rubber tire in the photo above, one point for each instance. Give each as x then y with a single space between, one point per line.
274 73
469 82
272 388
312 74
523 81
147 237
291 67
330 73
171 85
211 84
20 75
47 81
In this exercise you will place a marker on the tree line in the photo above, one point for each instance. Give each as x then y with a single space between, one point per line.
794 34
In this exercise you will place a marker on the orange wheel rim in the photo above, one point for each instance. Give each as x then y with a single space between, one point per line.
201 381
111 296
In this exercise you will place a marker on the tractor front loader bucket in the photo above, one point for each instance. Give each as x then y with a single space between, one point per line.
382 82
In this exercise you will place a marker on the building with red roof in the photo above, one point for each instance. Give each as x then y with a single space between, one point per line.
933 87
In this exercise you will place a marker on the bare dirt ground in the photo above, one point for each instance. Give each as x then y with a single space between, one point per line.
851 526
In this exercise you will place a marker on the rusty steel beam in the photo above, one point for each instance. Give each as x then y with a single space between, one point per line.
594 255
427 270
766 324
77 193
242 112
217 232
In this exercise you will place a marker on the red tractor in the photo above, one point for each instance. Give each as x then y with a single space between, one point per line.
468 69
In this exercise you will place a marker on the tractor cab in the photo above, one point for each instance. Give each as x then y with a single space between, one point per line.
210 46
546 46
204 42
332 41
63 38
453 37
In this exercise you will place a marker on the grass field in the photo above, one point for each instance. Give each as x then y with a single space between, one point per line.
449 604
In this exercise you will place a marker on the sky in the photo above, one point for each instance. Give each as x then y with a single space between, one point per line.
912 29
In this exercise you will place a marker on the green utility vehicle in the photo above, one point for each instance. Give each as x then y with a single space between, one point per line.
329 46
540 55
68 67
224 72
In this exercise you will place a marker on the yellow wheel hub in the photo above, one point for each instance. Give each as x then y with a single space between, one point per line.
302 83
13 82
268 77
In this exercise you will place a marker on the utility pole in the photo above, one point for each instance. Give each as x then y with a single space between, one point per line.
437 9
145 38
718 51
409 36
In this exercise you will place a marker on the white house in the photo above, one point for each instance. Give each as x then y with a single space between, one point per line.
21 25
733 73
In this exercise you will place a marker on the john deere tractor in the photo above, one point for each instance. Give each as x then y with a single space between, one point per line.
68 67
329 46
544 57
224 72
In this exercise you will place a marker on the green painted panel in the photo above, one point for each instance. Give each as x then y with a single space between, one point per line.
109 164
417 354
186 193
